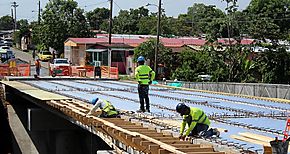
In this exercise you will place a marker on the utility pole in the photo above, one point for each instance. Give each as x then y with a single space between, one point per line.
229 30
15 5
110 21
39 12
12 19
158 35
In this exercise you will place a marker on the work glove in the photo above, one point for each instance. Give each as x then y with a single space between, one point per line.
150 82
182 137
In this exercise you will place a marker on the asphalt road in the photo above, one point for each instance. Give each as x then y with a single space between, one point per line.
28 58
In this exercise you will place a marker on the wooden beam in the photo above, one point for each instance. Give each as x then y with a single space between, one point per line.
163 151
185 145
154 148
196 149
162 145
257 137
176 142
241 138
205 152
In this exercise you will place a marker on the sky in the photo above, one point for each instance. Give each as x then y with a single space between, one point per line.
27 9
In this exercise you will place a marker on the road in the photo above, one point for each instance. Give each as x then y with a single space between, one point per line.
28 58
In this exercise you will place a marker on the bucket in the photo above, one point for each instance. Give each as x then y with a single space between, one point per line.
279 147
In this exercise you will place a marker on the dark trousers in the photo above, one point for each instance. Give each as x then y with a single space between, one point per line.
143 95
202 130
37 69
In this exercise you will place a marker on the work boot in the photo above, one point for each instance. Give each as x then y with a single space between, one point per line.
147 110
216 132
140 111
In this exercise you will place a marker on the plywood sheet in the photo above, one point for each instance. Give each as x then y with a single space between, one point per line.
34 92
19 85
44 95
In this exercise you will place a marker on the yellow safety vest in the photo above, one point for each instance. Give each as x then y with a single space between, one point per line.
195 116
144 74
109 109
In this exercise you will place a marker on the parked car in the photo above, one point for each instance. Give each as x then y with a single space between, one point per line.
44 55
8 42
5 47
60 67
2 43
6 55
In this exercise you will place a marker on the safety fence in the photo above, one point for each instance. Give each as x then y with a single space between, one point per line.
110 72
87 71
14 70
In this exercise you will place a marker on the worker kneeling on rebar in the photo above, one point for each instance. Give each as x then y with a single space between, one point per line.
107 110
198 122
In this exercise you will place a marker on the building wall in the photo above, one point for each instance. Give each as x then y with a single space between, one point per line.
76 54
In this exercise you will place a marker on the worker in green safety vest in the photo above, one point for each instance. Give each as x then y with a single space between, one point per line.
197 121
144 75
107 109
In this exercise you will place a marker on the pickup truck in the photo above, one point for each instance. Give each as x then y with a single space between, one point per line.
60 67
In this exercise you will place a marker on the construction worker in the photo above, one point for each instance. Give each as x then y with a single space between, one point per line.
144 75
37 66
198 122
107 109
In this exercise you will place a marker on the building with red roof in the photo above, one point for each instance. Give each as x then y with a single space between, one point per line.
83 51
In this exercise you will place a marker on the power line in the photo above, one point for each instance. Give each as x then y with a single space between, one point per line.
118 5
95 4
239 21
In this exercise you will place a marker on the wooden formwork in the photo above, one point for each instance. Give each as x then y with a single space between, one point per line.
133 135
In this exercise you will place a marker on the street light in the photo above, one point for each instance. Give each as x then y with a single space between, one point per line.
158 34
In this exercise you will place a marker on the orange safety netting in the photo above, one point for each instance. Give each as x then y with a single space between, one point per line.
14 70
88 71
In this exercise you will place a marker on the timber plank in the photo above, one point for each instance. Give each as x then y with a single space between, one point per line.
197 149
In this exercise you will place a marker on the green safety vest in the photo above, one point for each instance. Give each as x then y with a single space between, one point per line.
109 109
144 74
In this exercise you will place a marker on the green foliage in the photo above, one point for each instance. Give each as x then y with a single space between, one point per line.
127 21
194 63
41 47
274 66
98 17
62 19
6 23
23 27
206 19
147 49
270 19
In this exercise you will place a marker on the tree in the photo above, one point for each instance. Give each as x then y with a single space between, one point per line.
208 61
127 21
98 17
274 66
147 49
205 19
23 27
270 19
6 23
62 19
